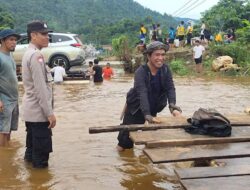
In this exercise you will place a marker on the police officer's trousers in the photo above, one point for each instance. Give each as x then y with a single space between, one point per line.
38 143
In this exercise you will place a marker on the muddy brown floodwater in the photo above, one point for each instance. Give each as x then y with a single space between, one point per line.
81 161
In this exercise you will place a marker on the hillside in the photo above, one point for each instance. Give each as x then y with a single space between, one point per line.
97 20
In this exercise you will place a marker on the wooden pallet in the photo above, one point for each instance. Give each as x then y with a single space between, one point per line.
229 174
178 137
212 172
220 183
198 152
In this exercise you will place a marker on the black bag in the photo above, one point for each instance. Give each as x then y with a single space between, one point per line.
209 122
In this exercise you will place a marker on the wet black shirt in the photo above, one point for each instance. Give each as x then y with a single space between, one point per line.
98 73
155 83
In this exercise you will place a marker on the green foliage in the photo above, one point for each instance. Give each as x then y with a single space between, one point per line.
230 72
179 67
207 63
237 51
117 44
120 48
6 19
226 14
98 21
243 34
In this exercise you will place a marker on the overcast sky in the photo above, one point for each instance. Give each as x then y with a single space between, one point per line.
192 9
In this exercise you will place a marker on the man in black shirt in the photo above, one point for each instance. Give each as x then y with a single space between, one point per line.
97 71
153 89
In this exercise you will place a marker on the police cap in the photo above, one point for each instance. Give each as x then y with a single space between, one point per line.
38 26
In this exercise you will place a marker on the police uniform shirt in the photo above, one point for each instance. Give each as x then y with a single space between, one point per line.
37 100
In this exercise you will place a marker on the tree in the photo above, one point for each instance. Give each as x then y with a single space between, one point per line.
98 21
226 14
6 19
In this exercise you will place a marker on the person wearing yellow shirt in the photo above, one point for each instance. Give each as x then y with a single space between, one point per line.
181 33
143 32
218 38
189 33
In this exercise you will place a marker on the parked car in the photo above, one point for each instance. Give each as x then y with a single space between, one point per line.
63 47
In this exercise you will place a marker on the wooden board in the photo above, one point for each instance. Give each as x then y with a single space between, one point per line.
198 152
75 82
177 137
208 172
235 119
168 123
233 161
68 82
220 183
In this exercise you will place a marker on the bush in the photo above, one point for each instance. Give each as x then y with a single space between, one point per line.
243 34
207 63
179 67
121 48
237 51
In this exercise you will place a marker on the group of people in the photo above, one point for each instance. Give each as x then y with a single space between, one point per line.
227 38
37 108
183 35
155 33
94 71
153 89
37 103
180 34
97 73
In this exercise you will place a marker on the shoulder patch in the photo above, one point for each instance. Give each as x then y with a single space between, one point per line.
40 59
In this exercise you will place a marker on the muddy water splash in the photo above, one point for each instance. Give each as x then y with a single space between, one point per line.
90 162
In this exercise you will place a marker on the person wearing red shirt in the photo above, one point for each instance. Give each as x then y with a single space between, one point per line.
107 72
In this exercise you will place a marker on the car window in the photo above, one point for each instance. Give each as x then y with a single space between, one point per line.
78 39
23 41
60 38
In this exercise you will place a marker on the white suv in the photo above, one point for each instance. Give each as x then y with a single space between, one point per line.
63 47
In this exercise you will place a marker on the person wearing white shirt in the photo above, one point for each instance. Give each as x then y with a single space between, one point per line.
203 27
59 73
197 55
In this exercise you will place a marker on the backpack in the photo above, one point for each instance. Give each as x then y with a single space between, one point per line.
209 122
181 30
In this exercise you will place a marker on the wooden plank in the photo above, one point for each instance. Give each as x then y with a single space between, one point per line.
178 137
232 161
67 82
221 183
239 120
167 123
170 123
208 172
198 152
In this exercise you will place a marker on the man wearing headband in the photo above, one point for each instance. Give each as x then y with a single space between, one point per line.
153 88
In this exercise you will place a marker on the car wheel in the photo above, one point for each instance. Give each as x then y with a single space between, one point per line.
60 59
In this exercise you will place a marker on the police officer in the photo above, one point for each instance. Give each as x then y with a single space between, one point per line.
37 100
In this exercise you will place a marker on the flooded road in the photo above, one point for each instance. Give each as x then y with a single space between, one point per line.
81 161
